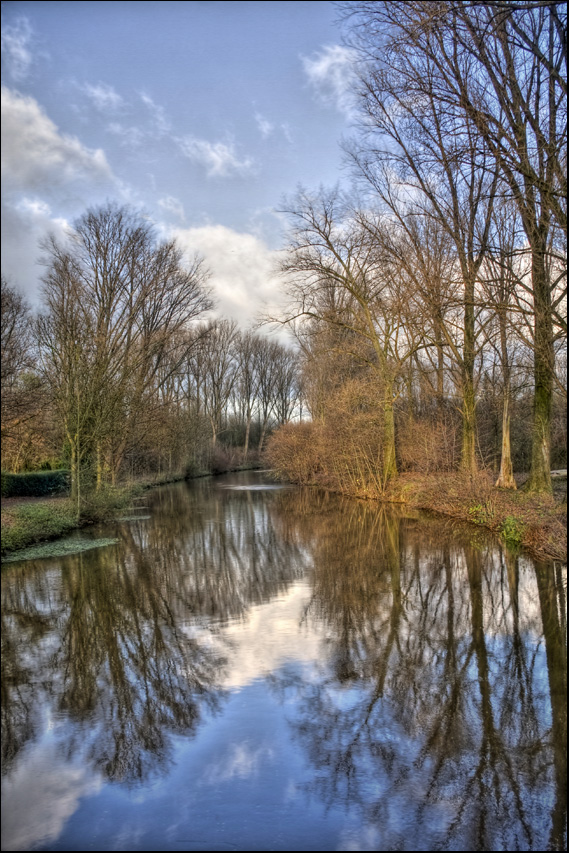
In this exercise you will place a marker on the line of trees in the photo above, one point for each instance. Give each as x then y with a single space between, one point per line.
442 278
122 372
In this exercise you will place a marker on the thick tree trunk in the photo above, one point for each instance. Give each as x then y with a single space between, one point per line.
544 359
468 449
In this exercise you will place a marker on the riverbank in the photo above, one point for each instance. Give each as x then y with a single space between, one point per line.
30 521
537 523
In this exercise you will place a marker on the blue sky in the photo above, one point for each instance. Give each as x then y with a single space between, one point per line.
203 114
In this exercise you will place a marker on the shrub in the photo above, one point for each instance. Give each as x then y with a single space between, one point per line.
293 451
512 530
36 484
221 459
428 447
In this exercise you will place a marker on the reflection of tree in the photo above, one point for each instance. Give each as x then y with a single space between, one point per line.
229 557
119 640
129 675
431 717
552 599
25 625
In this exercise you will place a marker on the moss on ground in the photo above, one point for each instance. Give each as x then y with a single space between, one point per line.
60 548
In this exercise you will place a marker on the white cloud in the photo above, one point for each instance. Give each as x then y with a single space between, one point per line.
172 205
219 158
331 73
265 126
16 48
131 137
35 155
242 267
43 171
162 125
104 97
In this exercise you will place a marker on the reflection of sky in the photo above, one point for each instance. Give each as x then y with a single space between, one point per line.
270 637
45 790
245 781
268 767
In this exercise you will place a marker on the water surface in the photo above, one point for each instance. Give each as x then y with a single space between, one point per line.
261 668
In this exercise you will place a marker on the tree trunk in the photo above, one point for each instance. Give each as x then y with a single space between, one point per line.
99 464
506 477
468 451
544 359
389 458
262 438
247 433
74 468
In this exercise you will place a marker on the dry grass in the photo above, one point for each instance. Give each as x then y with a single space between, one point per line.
537 522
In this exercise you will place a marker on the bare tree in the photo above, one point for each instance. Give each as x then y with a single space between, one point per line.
339 273
500 69
17 342
116 301
220 365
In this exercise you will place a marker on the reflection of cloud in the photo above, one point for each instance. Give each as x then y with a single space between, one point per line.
271 638
16 48
331 74
219 158
241 763
242 268
35 155
44 792
361 838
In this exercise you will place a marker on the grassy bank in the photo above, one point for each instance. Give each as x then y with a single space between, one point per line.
28 522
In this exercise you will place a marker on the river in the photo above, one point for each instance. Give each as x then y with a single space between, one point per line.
260 667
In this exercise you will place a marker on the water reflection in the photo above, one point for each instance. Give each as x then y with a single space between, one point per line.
435 719
423 693
104 638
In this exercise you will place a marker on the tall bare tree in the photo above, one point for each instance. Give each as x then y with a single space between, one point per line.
500 68
117 300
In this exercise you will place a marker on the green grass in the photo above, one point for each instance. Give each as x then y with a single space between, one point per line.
28 524
512 531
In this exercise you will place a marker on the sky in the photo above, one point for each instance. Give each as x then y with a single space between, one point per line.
204 116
